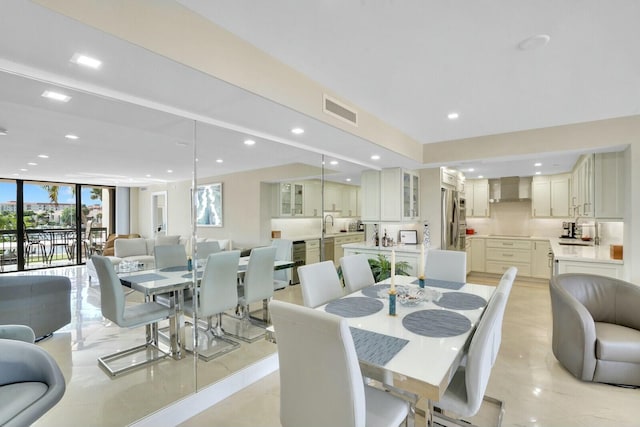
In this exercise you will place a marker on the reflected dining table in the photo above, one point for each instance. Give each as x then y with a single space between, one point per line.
422 345
173 281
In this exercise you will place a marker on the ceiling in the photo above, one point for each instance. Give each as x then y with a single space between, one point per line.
430 58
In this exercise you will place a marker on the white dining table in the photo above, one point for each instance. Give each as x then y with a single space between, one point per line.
425 365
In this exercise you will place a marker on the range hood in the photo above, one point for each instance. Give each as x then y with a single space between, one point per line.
509 189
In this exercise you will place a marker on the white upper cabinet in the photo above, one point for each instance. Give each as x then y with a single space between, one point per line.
291 199
312 198
370 192
550 196
332 197
609 185
399 195
476 193
582 187
350 203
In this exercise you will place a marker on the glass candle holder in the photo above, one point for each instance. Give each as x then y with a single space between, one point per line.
392 303
421 281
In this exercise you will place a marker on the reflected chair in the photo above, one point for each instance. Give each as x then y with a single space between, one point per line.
204 249
167 256
31 382
112 302
465 392
319 283
446 265
356 272
320 380
217 293
256 286
284 252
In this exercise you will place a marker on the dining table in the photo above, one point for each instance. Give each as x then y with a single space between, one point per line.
422 345
172 282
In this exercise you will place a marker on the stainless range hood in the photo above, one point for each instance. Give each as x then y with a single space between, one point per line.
509 189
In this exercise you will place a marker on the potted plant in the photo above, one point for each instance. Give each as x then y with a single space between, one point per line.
381 268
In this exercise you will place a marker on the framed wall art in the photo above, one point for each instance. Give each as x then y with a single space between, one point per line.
209 205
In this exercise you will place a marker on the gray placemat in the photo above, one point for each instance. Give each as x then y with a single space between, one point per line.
374 348
374 291
460 301
436 323
190 275
454 286
354 306
141 278
175 268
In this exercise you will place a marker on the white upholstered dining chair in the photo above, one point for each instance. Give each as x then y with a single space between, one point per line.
356 272
204 249
112 303
319 283
446 265
320 380
170 256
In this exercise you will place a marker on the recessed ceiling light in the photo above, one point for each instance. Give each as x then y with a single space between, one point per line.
24 170
249 142
470 170
181 144
169 170
538 173
453 116
480 176
3 131
333 162
534 42
86 61
32 164
56 96
297 131
375 157
43 156
148 175
537 164
71 136
348 179
219 160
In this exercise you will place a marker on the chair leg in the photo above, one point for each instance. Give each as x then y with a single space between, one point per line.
440 415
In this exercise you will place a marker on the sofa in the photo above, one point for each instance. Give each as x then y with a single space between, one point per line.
141 250
596 327
40 302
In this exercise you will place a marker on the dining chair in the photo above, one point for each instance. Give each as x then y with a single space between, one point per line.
217 292
319 283
31 382
446 265
466 390
356 272
112 303
204 249
284 252
320 380
504 287
257 285
167 256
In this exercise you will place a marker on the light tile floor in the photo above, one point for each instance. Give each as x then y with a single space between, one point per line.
536 389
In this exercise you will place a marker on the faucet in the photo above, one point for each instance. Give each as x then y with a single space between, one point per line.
596 237
324 223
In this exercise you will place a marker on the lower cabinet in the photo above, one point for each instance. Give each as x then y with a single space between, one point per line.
599 268
540 259
477 255
338 241
503 254
410 257
312 254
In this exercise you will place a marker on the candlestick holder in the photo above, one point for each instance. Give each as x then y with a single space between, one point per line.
392 302
421 281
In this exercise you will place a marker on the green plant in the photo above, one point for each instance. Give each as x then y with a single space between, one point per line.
381 268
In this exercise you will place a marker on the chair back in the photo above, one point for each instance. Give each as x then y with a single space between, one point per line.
219 285
482 353
446 265
319 283
356 272
331 393
284 252
504 287
258 280
204 249
112 298
170 256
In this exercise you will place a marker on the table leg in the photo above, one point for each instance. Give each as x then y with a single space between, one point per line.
176 324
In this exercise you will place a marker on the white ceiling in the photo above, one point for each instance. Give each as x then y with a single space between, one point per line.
410 63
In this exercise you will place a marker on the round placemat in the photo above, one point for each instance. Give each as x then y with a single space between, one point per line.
374 291
354 306
190 275
175 268
436 323
460 301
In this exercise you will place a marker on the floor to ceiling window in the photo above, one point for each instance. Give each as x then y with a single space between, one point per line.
48 224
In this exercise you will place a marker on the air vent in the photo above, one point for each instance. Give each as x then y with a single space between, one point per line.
339 110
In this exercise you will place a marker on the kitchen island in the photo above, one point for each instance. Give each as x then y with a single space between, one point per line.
585 259
408 253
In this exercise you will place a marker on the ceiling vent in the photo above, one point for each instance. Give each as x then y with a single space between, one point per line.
339 110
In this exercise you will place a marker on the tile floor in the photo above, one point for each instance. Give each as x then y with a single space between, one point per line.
537 391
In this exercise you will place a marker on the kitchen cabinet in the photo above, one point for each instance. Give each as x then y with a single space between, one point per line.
411 257
476 193
609 185
399 195
501 254
312 199
467 249
590 267
350 201
540 259
332 197
550 196
370 192
478 255
338 241
312 254
582 187
291 199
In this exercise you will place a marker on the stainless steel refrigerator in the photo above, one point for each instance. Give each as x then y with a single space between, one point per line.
454 225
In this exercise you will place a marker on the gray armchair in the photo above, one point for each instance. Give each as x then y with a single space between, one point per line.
596 327
31 382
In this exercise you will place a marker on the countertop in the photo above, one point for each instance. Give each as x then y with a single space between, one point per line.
317 236
397 248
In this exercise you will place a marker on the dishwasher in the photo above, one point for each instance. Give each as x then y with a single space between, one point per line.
299 257
328 249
